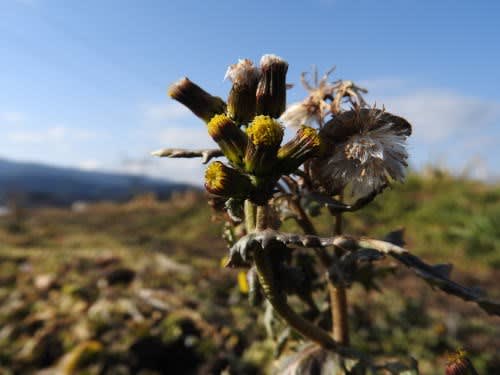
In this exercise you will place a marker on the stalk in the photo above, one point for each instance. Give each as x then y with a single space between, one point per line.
249 209
338 298
308 228
338 295
278 299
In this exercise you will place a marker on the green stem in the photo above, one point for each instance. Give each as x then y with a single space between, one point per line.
261 218
249 208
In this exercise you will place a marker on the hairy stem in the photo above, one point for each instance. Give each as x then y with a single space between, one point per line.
278 299
338 298
249 216
337 293
308 227
262 218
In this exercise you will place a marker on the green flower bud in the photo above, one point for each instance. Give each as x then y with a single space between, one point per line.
265 135
305 145
230 138
271 91
241 102
200 102
227 182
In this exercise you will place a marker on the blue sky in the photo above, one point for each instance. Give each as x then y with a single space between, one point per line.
84 83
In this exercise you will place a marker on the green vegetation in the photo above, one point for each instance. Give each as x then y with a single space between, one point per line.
120 289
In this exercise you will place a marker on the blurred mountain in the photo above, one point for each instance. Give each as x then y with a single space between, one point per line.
41 185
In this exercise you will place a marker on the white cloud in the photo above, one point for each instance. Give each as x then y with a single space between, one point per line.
90 165
438 115
54 134
455 131
186 137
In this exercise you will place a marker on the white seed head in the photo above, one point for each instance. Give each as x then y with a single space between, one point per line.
243 72
310 110
267 60
373 153
315 107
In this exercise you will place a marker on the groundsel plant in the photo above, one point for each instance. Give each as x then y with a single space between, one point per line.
342 151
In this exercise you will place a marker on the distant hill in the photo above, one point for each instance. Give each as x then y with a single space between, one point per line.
41 185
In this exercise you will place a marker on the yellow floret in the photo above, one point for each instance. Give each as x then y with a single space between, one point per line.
217 123
306 132
215 175
265 131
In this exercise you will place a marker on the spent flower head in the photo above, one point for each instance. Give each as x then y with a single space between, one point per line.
242 100
243 72
324 98
271 90
365 147
315 107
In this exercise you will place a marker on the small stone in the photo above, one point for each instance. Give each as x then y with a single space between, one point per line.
45 282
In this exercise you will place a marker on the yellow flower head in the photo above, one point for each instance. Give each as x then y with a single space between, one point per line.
215 176
265 131
230 138
304 145
217 123
226 181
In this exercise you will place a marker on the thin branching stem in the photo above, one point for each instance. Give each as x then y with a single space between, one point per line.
205 155
436 275
277 298
338 297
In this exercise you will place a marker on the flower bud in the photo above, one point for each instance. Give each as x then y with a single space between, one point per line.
305 145
241 101
265 135
200 102
227 182
230 138
271 90
459 364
